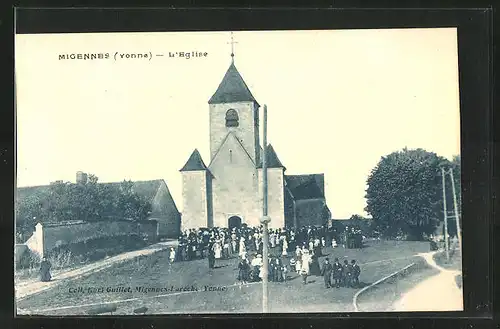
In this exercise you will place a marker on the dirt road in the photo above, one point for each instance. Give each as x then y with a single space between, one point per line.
437 293
30 287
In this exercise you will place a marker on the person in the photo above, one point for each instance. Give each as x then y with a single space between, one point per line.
45 266
314 267
334 243
225 252
306 261
298 265
298 252
256 265
337 273
292 264
326 272
285 247
356 271
242 246
218 249
284 269
211 257
244 269
172 255
346 274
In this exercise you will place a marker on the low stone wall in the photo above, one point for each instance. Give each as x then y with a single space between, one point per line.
19 251
48 236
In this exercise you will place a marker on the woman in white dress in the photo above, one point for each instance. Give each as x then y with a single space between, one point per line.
285 248
306 261
217 249
334 243
242 246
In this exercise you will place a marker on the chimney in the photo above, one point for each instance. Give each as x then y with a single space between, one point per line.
81 177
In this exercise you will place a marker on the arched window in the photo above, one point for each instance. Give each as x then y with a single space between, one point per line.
230 156
232 118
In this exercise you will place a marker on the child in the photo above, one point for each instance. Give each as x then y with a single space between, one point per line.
292 264
356 271
285 272
172 255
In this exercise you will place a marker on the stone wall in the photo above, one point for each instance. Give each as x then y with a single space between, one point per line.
246 130
275 198
19 251
48 236
165 212
235 185
194 195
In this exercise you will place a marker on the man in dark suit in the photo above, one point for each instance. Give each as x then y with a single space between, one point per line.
356 271
211 255
346 274
326 272
337 273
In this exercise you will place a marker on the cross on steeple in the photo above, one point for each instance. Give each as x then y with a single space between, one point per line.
232 47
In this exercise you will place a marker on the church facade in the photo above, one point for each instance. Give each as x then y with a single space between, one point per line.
228 191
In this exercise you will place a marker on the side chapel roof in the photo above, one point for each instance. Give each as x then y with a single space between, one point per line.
305 187
272 159
195 162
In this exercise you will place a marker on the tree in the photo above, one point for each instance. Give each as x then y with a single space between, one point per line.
404 194
64 201
130 205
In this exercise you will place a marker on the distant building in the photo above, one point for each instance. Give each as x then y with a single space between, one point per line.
228 191
164 210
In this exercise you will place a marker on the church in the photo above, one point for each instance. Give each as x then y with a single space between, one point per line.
228 191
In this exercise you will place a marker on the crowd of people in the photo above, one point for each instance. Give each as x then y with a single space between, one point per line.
289 252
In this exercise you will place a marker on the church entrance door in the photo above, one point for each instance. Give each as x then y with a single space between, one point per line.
233 222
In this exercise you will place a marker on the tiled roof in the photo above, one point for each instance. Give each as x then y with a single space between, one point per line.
272 159
305 187
194 163
232 89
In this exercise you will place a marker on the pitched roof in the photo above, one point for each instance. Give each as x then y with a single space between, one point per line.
194 163
305 187
232 89
272 159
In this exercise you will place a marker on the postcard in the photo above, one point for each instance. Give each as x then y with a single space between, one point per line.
238 172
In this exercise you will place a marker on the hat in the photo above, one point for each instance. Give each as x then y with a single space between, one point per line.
327 258
259 256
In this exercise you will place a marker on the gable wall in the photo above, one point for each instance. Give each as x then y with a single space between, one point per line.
234 187
246 131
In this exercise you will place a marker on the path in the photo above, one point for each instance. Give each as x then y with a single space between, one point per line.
30 287
437 293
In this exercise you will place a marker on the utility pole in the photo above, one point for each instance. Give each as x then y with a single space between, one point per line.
446 246
265 221
459 234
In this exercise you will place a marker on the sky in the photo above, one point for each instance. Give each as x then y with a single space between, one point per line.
338 100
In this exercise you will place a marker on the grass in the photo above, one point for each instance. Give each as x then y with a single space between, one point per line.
455 262
382 297
377 260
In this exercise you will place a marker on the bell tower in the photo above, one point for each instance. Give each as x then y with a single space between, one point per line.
234 109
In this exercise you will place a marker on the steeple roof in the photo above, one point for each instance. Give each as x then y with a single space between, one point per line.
232 89
194 163
272 159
